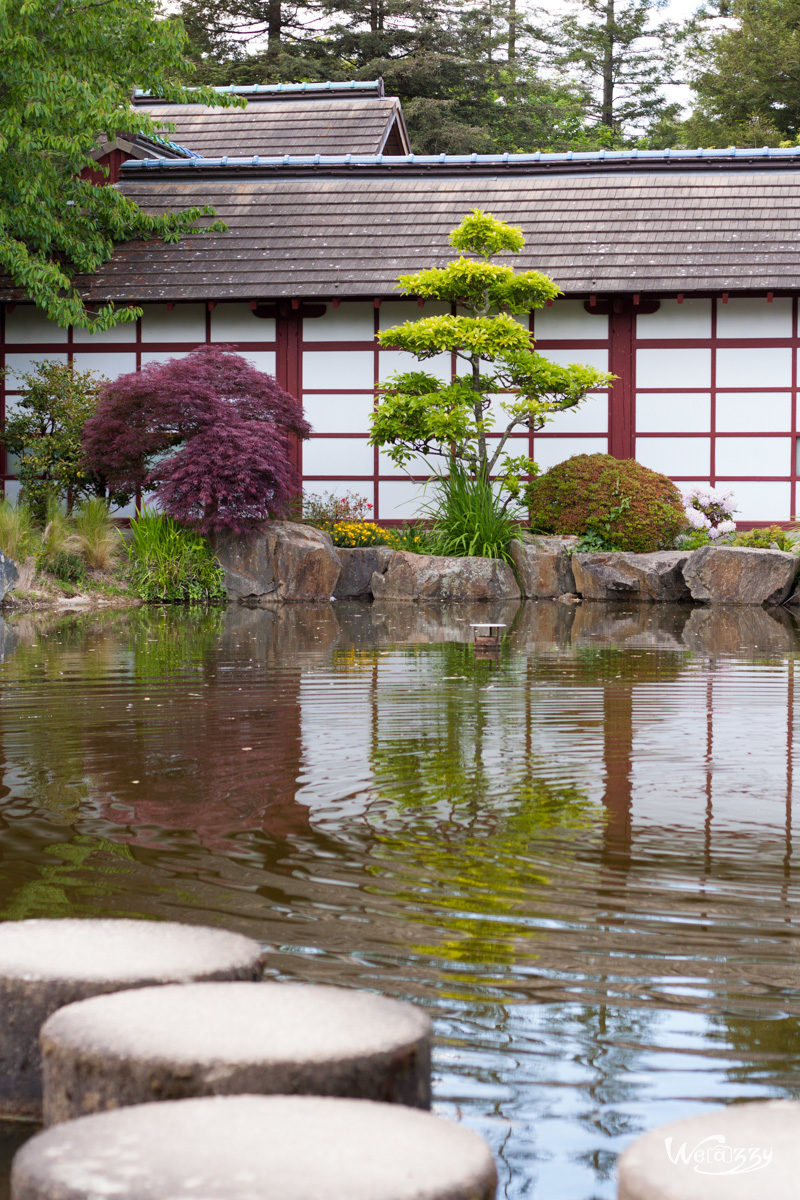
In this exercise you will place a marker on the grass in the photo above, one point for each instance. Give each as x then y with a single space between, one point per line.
95 537
469 520
169 563
18 537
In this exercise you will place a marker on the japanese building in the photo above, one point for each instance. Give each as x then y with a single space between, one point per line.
680 269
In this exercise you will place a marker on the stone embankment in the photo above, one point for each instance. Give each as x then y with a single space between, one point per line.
299 563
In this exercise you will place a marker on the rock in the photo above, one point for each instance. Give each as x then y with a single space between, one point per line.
738 575
427 577
648 578
544 566
233 1039
734 629
736 1153
242 1147
8 575
281 560
45 964
359 564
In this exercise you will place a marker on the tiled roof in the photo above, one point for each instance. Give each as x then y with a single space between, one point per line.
280 127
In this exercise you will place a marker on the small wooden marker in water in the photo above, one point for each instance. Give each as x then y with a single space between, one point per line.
272 1147
45 964
216 1039
490 640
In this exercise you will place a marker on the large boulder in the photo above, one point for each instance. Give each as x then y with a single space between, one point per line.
737 575
648 578
359 564
431 577
544 566
281 560
8 575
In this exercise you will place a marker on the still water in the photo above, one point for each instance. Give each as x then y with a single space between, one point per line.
578 855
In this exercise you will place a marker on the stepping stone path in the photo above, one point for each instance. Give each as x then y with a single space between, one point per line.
270 1147
203 1039
46 964
744 1152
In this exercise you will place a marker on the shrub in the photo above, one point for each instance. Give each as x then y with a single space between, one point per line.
96 536
709 510
634 508
17 535
44 431
208 433
170 563
468 518
329 509
764 539
66 565
360 533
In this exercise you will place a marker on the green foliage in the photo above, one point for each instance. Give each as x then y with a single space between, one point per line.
420 414
360 533
65 565
631 507
44 432
468 518
169 563
17 532
95 536
69 69
693 540
772 537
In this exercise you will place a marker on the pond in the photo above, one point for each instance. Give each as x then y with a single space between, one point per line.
577 855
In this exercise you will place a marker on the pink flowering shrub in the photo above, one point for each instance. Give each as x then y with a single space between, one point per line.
329 509
709 510
208 434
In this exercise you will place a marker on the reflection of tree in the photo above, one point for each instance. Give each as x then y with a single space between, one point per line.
85 863
468 804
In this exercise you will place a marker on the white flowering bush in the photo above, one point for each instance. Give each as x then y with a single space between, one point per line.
710 510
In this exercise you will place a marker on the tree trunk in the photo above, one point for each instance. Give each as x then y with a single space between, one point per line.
274 28
607 117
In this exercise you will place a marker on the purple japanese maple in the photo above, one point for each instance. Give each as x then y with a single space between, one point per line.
208 433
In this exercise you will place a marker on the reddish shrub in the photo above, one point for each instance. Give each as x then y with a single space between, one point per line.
636 508
209 434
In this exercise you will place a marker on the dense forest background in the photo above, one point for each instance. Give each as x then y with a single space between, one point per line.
497 75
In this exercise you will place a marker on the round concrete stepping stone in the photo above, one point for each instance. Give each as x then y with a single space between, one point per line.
256 1148
205 1039
736 1153
46 964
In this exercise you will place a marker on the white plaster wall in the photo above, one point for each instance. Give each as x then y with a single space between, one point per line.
182 323
392 361
26 324
760 501
341 487
236 323
764 367
549 451
416 465
691 319
24 364
110 364
395 312
568 319
675 455
350 322
337 456
753 410
673 413
162 356
673 368
753 456
120 333
402 499
591 417
338 414
325 369
756 317
584 357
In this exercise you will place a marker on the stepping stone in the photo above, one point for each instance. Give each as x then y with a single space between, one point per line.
46 964
205 1039
265 1147
736 1153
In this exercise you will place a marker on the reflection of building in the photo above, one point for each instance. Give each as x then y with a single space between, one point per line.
669 281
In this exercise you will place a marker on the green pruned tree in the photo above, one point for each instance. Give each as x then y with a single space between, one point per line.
44 431
745 73
623 57
69 69
420 414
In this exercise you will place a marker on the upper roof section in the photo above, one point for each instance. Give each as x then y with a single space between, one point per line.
297 119
638 162
306 231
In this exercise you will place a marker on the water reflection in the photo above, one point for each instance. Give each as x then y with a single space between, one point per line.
579 856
